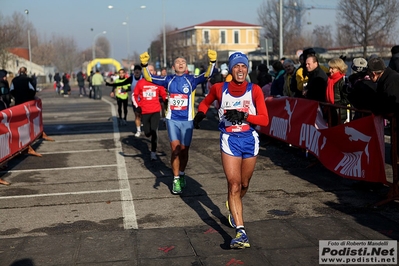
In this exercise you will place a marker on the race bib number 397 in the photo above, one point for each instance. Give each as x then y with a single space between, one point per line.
178 101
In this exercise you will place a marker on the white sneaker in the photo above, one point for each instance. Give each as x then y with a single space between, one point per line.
138 133
153 156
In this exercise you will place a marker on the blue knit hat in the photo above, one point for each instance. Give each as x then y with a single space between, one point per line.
237 58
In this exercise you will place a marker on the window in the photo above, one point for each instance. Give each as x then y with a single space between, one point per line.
206 37
223 37
194 40
236 37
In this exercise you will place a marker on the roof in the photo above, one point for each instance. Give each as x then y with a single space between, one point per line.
220 23
20 52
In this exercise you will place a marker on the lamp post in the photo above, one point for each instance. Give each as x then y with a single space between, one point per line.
29 48
94 43
126 23
164 34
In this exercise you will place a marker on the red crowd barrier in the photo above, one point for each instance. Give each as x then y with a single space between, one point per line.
20 126
354 150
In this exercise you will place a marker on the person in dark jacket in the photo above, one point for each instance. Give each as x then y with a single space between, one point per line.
394 62
22 88
387 100
5 96
277 87
57 80
81 83
316 86
254 74
362 91
66 88
263 77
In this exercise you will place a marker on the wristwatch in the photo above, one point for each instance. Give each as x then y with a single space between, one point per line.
246 115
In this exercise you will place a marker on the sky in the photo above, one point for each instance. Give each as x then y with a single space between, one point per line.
76 18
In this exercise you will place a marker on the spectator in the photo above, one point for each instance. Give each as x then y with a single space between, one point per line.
394 62
97 81
278 82
362 91
315 89
34 80
57 80
89 79
336 90
289 73
50 77
253 76
387 99
5 96
298 79
66 87
264 79
81 83
22 88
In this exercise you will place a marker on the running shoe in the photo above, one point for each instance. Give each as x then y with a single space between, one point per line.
176 186
182 181
231 219
153 156
241 240
138 133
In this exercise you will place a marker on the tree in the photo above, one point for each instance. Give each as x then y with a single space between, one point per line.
322 36
368 21
102 47
66 57
269 18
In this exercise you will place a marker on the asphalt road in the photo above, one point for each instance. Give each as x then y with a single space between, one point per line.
95 198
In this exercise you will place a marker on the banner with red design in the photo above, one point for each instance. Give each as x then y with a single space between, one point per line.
20 126
352 150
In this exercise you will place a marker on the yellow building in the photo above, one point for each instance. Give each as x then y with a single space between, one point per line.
224 36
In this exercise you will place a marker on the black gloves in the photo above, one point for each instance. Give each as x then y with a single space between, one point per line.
198 118
138 110
234 116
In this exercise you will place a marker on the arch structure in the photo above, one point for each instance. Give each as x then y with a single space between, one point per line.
103 61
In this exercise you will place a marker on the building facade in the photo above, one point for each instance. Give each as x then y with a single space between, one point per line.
224 36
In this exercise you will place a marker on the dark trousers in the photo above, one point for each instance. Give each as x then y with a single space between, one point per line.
97 92
122 103
82 90
150 127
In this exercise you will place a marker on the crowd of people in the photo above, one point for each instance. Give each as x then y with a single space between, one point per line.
332 84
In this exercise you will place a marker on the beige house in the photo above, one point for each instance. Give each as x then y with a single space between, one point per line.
224 36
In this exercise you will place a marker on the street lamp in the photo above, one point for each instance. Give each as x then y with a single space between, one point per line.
126 23
164 34
94 43
29 49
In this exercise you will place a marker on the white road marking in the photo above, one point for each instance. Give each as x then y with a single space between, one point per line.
62 194
129 212
76 151
60 168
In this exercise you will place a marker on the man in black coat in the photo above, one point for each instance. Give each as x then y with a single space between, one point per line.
316 87
394 62
387 100
22 87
